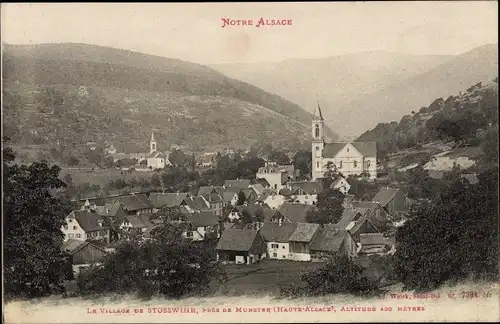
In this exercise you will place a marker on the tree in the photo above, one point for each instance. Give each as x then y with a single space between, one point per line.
168 264
302 161
489 147
34 262
241 198
329 207
434 246
279 157
331 174
172 213
362 188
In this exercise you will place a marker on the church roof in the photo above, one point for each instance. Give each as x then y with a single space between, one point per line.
368 149
153 137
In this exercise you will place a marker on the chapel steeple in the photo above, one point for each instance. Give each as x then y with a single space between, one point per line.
152 143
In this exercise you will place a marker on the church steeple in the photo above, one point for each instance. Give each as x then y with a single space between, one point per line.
317 113
152 143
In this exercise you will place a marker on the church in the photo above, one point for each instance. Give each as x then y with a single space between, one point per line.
156 159
350 158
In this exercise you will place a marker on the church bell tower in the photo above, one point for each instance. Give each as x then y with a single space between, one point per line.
318 143
152 144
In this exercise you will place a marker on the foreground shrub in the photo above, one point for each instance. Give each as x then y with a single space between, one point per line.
167 264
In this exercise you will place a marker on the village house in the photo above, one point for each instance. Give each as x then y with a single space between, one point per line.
289 169
274 175
200 224
237 184
377 215
263 182
300 241
341 185
355 223
195 204
250 195
230 198
272 215
207 160
241 246
252 211
355 158
215 201
303 192
393 201
82 225
167 199
83 254
136 223
326 242
375 243
208 190
294 213
135 204
276 236
271 198
112 211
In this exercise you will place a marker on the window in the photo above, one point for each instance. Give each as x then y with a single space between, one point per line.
78 235
283 247
274 246
317 165
340 165
284 257
347 149
368 163
189 234
275 255
66 227
70 220
74 227
70 235
355 164
275 186
316 131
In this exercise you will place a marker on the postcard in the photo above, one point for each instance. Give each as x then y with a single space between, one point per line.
250 162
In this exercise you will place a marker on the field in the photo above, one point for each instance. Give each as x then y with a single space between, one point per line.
102 177
483 307
264 277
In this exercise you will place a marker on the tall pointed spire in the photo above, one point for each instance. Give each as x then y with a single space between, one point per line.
153 136
317 112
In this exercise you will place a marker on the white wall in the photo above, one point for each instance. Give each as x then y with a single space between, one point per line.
275 179
282 251
198 234
73 230
156 163
300 256
305 199
275 201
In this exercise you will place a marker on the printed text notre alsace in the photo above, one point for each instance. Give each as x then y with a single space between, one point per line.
226 22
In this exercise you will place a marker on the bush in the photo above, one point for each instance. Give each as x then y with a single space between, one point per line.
338 275
167 264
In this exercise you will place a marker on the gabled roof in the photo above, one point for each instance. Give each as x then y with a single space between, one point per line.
367 149
248 192
156 155
374 239
274 232
240 183
304 232
252 209
228 196
328 240
370 205
206 190
269 214
72 245
169 199
196 203
203 218
135 221
135 202
89 222
266 193
213 198
295 213
348 216
263 182
258 188
309 187
233 239
385 195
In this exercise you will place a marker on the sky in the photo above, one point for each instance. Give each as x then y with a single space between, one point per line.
193 31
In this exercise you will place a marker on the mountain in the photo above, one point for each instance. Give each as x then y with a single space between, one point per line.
380 86
76 93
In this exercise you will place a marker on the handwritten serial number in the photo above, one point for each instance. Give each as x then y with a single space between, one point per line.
261 22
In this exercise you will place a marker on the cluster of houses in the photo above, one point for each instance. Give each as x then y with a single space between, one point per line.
278 228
